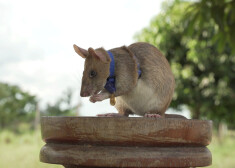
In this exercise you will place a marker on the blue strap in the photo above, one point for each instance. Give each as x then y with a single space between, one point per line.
110 84
139 71
112 65
138 68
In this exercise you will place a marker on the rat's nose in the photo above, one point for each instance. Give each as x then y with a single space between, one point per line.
84 94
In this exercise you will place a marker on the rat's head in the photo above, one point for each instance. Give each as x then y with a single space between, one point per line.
96 70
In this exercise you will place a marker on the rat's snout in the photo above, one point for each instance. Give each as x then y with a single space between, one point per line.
85 91
84 94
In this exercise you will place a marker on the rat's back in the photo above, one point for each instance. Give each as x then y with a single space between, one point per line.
156 76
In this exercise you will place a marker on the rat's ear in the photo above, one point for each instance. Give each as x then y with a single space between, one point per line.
80 51
99 55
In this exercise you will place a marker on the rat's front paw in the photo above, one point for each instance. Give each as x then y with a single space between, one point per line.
98 97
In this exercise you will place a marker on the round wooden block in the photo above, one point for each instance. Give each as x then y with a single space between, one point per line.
126 157
126 131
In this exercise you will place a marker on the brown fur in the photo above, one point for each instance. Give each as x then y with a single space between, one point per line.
125 70
156 70
152 93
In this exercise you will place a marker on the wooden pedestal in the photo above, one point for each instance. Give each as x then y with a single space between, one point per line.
125 142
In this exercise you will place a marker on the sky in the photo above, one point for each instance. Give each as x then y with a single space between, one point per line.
37 37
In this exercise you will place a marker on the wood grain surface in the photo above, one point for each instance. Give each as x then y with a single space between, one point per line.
126 131
128 157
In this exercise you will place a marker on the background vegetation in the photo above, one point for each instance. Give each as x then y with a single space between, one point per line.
194 38
198 39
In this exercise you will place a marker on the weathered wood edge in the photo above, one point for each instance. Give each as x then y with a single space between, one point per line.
127 157
126 131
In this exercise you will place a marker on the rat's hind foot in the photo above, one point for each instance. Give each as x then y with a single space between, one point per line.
152 115
111 115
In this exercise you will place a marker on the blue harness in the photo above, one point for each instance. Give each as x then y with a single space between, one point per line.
110 84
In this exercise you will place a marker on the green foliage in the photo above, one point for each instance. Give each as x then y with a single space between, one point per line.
18 108
15 106
221 13
204 73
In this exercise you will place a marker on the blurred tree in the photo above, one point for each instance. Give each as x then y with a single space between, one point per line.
221 12
63 106
204 73
15 106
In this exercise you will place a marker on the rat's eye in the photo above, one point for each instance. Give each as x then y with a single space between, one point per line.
92 74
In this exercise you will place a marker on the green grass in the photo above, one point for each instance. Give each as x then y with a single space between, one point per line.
22 151
223 152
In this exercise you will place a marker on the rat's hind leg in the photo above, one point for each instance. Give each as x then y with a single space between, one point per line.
160 115
152 115
123 110
155 114
158 112
121 113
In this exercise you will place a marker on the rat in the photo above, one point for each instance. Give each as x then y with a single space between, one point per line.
143 82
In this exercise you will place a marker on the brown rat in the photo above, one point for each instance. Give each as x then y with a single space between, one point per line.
149 94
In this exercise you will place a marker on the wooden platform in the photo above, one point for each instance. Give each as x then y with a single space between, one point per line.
125 142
